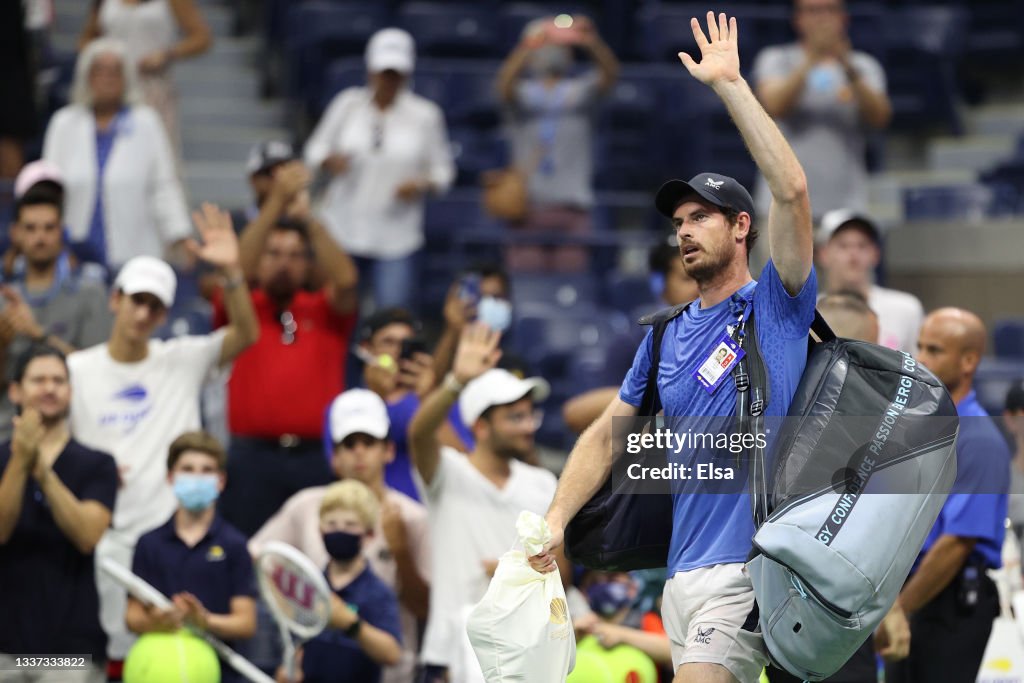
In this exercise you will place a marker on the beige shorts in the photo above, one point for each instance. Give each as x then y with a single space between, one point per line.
708 618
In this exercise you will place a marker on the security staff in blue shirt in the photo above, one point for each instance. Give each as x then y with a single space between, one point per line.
708 600
949 598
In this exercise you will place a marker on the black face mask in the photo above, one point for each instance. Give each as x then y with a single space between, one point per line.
342 546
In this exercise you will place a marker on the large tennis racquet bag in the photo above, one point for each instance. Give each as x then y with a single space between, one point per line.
860 474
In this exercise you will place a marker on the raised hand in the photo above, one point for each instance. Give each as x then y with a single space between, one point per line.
19 314
219 243
291 178
27 435
719 56
478 352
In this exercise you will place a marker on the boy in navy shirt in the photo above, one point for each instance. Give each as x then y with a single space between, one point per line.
364 633
196 559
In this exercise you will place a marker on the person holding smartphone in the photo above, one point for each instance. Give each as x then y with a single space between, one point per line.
550 118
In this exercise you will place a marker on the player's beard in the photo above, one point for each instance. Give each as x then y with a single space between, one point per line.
710 264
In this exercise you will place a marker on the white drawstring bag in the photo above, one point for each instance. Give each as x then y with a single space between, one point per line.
521 630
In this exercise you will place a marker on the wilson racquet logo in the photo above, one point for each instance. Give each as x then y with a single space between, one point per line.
291 586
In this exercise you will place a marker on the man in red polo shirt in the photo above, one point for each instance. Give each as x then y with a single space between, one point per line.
280 387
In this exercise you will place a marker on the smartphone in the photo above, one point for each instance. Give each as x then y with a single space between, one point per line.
469 289
412 346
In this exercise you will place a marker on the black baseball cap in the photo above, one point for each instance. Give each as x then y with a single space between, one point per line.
1015 396
721 190
268 154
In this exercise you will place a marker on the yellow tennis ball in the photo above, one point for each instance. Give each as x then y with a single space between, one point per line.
385 361
178 657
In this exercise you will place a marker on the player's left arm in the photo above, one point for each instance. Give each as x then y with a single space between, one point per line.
789 219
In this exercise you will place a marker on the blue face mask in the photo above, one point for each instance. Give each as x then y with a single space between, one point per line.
342 546
196 492
608 597
495 313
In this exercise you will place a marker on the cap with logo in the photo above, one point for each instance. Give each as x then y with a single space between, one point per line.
498 387
358 411
148 275
846 219
268 154
391 49
721 190
36 172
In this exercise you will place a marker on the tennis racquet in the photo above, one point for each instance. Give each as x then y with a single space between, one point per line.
141 590
297 594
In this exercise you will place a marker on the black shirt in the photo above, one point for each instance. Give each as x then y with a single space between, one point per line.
47 586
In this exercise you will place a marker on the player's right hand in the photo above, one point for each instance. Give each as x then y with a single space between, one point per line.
544 561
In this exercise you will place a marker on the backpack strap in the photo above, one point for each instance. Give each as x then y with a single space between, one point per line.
651 402
752 394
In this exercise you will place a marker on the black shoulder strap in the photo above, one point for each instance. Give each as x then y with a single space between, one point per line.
651 403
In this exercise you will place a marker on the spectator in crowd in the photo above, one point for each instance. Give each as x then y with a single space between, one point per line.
368 636
473 500
18 116
482 293
610 633
122 197
264 160
398 550
134 395
278 391
384 148
826 97
56 498
1013 420
851 248
150 32
401 380
549 116
44 299
196 558
670 282
849 316
949 597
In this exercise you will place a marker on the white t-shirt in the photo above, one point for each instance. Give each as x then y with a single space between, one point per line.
900 316
297 523
471 520
134 411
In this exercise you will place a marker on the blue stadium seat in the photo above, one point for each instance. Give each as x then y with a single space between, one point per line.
340 74
451 29
561 290
924 46
972 202
463 88
547 335
625 292
475 152
1008 338
993 379
317 32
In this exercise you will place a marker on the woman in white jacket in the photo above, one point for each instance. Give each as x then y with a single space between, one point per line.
122 197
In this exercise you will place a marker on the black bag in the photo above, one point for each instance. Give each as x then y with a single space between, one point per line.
619 529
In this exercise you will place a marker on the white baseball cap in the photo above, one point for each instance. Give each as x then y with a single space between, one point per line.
358 411
149 275
36 172
498 387
391 48
838 218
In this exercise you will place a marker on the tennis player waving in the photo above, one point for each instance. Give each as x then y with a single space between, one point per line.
708 606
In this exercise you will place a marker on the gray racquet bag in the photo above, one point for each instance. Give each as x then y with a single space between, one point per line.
861 470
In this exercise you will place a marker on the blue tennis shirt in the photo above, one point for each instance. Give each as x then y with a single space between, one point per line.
716 528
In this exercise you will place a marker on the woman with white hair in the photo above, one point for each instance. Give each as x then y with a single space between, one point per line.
156 34
385 148
122 197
